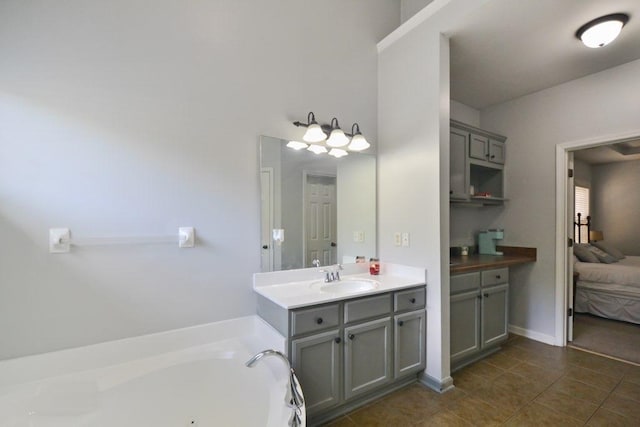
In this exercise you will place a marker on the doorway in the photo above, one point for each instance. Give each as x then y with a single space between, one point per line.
320 219
574 156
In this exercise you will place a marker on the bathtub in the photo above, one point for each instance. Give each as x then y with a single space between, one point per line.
183 378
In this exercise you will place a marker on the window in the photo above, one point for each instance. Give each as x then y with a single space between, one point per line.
582 207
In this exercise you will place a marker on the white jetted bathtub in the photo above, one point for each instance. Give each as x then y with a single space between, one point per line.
184 378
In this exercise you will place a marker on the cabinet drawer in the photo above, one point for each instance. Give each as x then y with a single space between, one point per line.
495 277
411 299
464 283
314 319
367 308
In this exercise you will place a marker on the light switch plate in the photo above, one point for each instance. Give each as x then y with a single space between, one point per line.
397 238
358 236
405 240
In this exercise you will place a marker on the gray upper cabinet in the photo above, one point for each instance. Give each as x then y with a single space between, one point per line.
479 314
476 165
367 356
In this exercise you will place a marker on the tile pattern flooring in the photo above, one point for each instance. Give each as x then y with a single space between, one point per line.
526 384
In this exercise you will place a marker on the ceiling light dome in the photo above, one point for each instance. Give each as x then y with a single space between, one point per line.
602 31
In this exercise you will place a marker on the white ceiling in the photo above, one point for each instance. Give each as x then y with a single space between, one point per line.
615 152
510 48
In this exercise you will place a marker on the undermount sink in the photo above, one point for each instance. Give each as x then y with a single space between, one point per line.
347 285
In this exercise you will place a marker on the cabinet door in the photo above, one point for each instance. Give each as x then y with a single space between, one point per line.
458 175
409 343
316 360
479 147
465 330
367 356
496 151
494 314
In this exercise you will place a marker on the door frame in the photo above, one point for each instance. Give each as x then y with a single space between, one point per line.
305 174
562 278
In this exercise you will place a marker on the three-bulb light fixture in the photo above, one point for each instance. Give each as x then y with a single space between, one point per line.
318 137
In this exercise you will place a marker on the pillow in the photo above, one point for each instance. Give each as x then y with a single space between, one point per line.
608 249
584 254
602 255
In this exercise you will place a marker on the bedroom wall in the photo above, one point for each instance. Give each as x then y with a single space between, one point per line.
134 117
594 106
582 174
615 201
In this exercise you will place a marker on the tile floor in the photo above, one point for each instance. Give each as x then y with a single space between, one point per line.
526 384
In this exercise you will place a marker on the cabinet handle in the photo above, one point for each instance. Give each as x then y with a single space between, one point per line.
351 336
412 300
319 320
400 323
498 276
265 247
487 155
337 340
493 157
486 295
479 297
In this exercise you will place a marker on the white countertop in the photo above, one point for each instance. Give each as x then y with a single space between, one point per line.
299 288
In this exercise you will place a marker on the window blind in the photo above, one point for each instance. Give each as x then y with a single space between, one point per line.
582 207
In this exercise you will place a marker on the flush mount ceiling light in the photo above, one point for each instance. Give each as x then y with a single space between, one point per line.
602 31
337 138
317 134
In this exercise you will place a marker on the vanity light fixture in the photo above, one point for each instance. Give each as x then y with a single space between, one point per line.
337 138
358 142
602 31
297 145
317 134
314 132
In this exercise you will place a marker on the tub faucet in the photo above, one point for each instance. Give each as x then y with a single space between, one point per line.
293 398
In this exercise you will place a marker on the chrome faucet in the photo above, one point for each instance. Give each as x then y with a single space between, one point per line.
316 262
332 274
293 398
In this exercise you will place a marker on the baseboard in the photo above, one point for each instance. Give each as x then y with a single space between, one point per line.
537 336
439 386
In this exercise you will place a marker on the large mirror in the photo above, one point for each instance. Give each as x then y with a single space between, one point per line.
315 206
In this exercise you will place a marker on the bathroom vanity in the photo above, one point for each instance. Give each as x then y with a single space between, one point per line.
351 347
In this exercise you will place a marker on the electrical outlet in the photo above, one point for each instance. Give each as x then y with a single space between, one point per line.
405 240
397 239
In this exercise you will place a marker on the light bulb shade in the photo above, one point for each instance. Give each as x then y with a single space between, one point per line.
337 138
314 133
358 143
297 145
602 31
317 149
338 152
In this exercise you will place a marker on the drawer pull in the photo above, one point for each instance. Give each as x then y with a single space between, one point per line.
400 323
351 337
337 340
319 320
498 276
479 297
412 300
486 295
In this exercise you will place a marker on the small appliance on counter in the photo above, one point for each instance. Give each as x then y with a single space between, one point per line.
487 241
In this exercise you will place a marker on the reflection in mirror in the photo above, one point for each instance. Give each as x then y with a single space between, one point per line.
315 206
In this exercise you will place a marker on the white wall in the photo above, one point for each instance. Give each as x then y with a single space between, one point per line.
127 118
411 7
615 206
598 105
465 114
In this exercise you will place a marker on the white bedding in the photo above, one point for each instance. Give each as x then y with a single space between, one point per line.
625 272
609 290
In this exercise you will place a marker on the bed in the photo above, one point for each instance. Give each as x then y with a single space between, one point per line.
608 282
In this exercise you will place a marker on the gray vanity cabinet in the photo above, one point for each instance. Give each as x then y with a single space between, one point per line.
479 314
318 365
367 356
485 148
409 342
458 165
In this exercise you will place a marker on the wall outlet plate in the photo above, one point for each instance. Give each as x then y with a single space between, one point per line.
186 237
405 240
